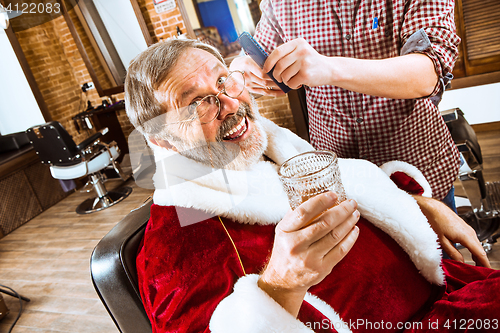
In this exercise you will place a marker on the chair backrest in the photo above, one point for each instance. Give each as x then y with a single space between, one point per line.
114 274
53 144
465 138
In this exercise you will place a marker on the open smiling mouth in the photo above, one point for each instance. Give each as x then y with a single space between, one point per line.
237 130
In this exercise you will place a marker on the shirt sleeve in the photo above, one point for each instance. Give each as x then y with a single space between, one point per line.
436 20
268 32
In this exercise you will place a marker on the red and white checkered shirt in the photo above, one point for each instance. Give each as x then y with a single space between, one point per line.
355 125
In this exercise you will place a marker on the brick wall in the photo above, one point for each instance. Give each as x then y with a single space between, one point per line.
278 110
163 25
56 69
60 72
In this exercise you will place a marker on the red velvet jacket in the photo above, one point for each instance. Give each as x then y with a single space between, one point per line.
185 272
191 280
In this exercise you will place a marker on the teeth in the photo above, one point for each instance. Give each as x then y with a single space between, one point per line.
236 128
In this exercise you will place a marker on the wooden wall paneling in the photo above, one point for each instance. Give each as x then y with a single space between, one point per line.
18 203
478 24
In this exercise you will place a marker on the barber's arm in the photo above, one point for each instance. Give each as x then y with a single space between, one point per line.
297 64
409 76
417 72
308 243
450 229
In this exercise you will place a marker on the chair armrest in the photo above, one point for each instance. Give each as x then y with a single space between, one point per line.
450 115
90 140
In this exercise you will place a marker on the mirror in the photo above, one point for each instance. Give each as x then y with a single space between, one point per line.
114 32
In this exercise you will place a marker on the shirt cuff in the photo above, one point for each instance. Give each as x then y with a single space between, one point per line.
419 42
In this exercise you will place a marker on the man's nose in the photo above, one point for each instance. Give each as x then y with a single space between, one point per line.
229 106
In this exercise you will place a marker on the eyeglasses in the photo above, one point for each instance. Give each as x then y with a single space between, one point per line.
208 108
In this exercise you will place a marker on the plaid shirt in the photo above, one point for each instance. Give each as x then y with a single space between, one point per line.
355 125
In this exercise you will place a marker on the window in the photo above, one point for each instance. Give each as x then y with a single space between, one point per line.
19 109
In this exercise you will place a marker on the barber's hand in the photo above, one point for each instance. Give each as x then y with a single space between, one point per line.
309 242
256 80
298 63
451 229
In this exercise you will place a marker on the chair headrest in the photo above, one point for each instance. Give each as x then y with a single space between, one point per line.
53 144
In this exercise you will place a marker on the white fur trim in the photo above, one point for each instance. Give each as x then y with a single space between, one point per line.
283 144
395 212
227 193
252 196
323 307
256 195
250 309
390 167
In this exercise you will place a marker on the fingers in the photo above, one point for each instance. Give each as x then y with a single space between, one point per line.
336 254
284 62
476 249
269 90
285 68
280 52
451 250
478 255
339 220
307 212
260 83
296 63
256 81
471 242
335 236
468 238
259 79
481 259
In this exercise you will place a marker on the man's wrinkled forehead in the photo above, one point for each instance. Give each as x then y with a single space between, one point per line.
203 76
192 73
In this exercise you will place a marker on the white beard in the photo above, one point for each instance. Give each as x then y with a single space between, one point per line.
224 154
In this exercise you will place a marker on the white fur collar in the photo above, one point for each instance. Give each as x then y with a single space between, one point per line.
257 197
252 196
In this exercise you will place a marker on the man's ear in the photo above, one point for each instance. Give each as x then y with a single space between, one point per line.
162 143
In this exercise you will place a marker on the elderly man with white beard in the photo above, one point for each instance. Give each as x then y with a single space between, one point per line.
223 252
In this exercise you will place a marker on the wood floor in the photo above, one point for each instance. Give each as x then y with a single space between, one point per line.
47 259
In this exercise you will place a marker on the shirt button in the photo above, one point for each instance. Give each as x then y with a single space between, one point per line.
347 36
359 120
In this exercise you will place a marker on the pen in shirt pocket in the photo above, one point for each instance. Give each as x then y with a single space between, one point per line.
375 20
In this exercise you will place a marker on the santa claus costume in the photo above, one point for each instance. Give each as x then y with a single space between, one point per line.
211 233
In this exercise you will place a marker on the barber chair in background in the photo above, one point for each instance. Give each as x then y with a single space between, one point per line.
114 274
483 211
67 160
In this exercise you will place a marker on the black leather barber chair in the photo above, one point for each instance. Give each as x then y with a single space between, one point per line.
67 160
114 274
483 213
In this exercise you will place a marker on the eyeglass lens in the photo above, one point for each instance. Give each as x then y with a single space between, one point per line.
209 107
